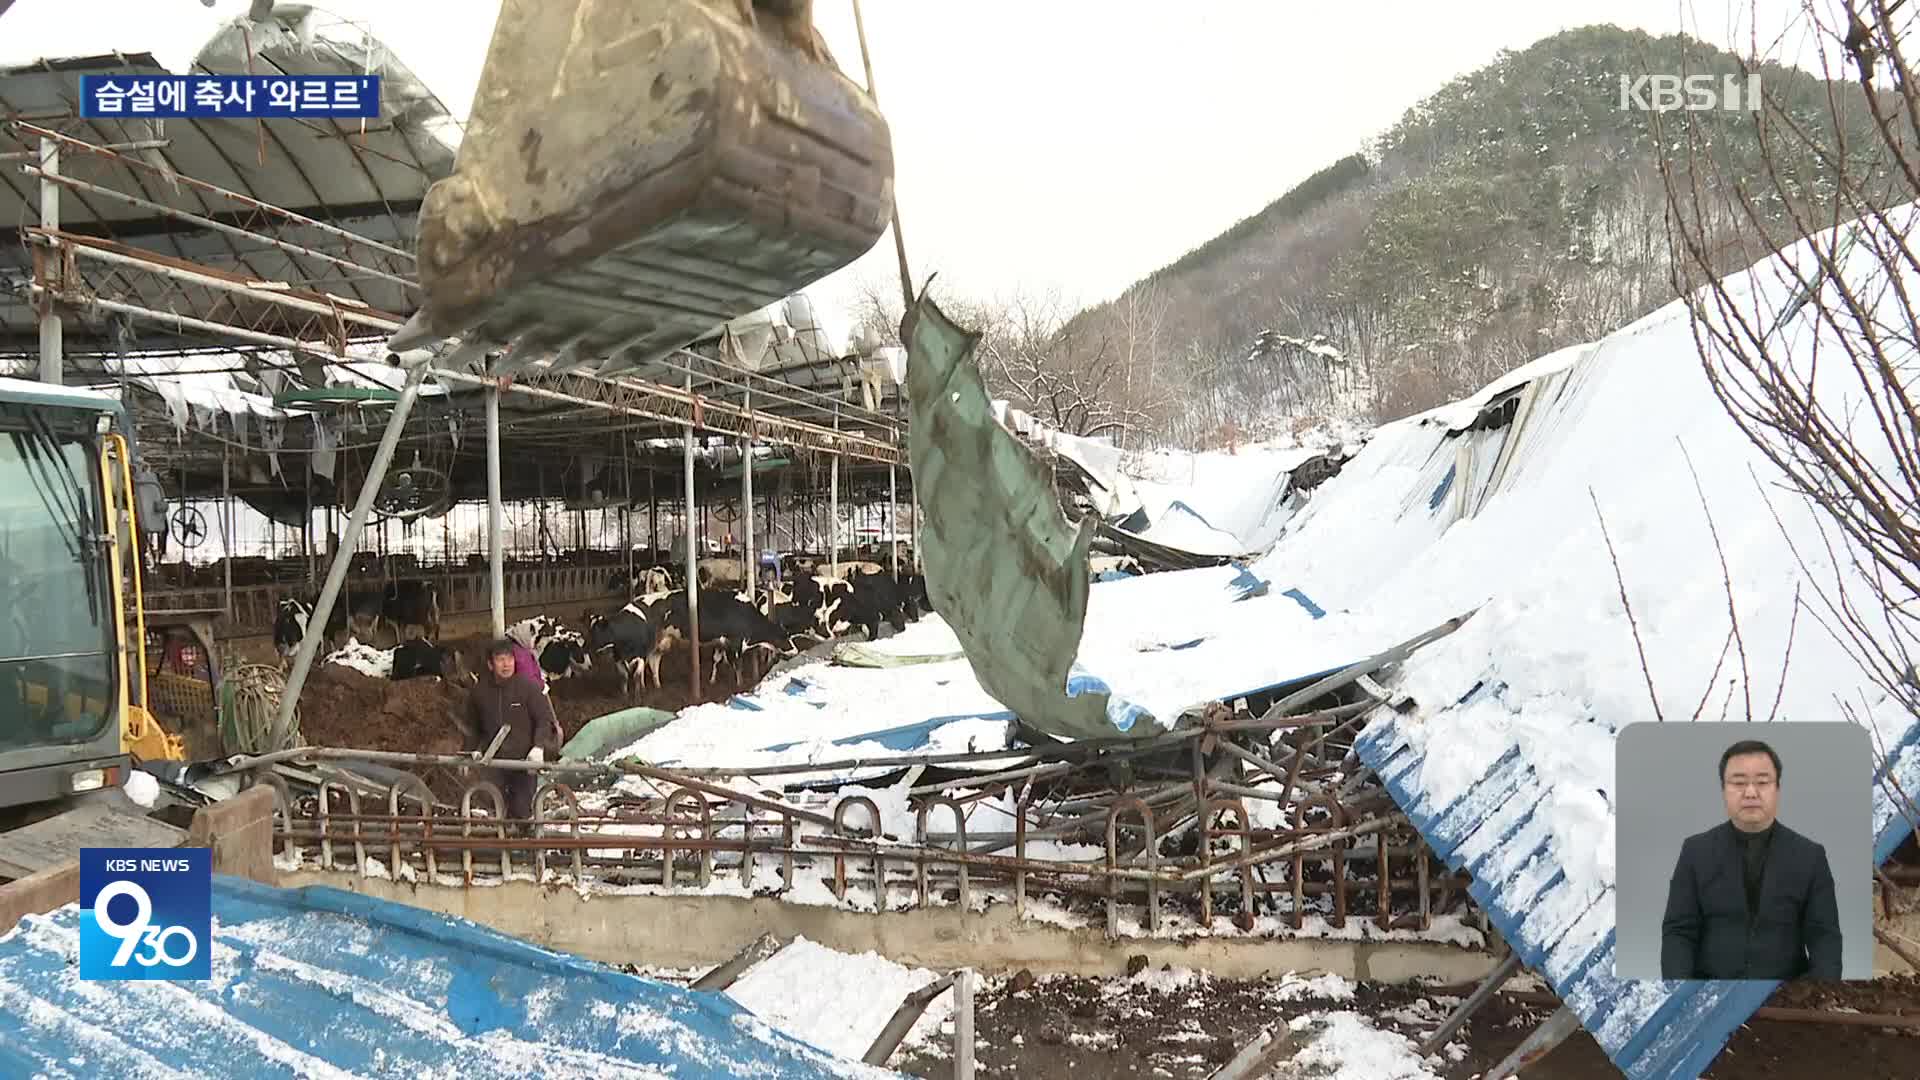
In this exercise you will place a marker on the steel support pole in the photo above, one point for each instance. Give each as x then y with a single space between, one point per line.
963 1024
893 520
226 529
337 573
833 510
1464 1011
693 565
496 553
1538 1044
52 330
746 503
306 524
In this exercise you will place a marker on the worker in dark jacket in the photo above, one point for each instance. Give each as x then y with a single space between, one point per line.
500 700
1750 898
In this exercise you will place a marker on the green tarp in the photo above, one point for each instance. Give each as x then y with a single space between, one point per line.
604 734
1004 567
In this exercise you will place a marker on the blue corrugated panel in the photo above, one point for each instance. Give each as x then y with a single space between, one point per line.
320 982
1494 831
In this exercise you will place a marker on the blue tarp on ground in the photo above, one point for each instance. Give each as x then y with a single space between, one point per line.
321 982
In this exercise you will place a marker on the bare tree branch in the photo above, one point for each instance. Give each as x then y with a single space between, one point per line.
1633 624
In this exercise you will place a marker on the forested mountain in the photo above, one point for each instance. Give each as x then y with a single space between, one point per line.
1518 209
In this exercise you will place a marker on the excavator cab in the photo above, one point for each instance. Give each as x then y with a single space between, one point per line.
636 172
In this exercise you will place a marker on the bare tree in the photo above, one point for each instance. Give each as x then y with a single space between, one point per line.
1831 294
1071 375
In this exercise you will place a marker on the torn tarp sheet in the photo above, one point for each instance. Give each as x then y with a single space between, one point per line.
998 552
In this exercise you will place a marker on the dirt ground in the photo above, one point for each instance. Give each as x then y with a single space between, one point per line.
341 707
1161 1026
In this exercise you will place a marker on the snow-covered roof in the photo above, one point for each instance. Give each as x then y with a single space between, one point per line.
1508 767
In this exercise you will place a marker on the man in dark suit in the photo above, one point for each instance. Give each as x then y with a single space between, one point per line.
1751 898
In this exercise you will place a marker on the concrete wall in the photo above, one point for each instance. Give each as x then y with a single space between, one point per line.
239 830
700 931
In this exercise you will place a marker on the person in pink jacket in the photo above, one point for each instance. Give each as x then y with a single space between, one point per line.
527 667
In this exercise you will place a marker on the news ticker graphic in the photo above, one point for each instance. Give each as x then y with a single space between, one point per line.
236 96
146 913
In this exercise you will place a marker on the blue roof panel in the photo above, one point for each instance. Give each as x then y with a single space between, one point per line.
1651 1030
321 982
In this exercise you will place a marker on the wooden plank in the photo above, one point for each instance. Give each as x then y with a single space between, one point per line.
58 839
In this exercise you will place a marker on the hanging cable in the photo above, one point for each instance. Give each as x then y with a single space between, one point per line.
899 241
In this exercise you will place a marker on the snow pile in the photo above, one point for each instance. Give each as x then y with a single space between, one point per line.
822 712
1327 987
1216 503
1346 1046
364 659
929 636
838 1002
1162 980
1513 744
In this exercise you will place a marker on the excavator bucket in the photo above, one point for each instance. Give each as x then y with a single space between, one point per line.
636 172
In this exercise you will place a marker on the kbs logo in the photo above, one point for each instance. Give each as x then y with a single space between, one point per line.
146 913
1694 93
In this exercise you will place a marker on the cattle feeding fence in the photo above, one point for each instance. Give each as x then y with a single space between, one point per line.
1230 820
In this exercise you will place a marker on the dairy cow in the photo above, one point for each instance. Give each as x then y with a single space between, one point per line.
733 628
417 657
638 637
411 606
355 611
827 607
560 652
653 579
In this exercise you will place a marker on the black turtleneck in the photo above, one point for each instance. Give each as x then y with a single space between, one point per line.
1753 849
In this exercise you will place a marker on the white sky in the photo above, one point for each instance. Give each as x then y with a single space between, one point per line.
1042 144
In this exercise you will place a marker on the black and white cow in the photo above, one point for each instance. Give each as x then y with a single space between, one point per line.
638 636
561 653
417 657
913 594
411 606
718 573
733 628
827 607
877 596
353 611
653 579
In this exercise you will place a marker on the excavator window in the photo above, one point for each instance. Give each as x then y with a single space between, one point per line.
56 630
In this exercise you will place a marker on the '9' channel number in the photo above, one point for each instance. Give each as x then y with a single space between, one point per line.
175 946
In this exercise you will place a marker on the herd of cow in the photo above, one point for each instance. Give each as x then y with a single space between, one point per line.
794 609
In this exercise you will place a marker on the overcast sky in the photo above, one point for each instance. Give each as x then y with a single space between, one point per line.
1043 144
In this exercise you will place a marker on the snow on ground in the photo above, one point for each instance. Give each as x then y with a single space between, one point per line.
819 712
1346 1046
838 1002
929 636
